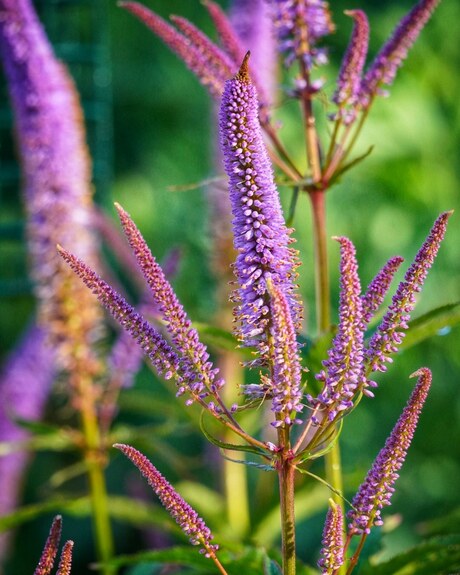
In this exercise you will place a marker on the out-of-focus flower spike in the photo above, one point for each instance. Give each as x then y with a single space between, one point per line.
162 356
65 563
332 543
195 355
287 371
378 288
212 77
387 62
390 332
184 515
211 54
376 490
349 80
227 34
50 549
32 361
343 374
299 25
260 234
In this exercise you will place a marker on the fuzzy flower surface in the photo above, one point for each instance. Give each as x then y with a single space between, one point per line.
184 515
349 80
376 490
390 332
198 370
332 542
392 54
299 25
343 369
50 549
260 234
287 391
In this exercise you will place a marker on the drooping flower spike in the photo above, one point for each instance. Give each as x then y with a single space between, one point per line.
349 80
286 385
387 62
376 490
182 513
260 234
343 372
199 371
212 68
332 543
299 25
390 332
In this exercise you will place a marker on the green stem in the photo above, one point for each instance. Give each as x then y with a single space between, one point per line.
323 313
286 475
95 467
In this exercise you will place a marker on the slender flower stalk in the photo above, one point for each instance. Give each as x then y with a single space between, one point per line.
349 80
343 373
287 371
390 58
260 235
376 490
376 291
65 563
390 332
211 69
332 556
50 549
184 515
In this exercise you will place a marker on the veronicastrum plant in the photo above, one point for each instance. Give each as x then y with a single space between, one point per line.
304 411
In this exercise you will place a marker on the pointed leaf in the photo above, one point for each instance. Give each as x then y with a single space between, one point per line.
431 323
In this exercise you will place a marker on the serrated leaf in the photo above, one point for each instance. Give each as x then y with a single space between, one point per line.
436 556
229 446
431 323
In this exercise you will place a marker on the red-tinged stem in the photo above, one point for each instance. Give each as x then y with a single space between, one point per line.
286 476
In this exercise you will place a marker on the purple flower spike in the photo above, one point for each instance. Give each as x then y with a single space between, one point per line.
212 76
286 385
260 235
385 65
378 288
199 370
299 25
65 563
343 374
390 332
50 549
349 81
184 515
332 542
162 356
377 489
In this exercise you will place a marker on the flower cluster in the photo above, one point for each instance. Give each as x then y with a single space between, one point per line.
332 543
260 234
186 517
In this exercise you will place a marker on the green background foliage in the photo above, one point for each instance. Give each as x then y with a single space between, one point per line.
164 135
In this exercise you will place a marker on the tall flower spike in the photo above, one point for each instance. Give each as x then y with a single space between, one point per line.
299 25
385 65
162 356
65 563
378 288
200 372
50 549
390 332
376 490
343 374
186 517
349 80
260 235
212 76
286 392
332 542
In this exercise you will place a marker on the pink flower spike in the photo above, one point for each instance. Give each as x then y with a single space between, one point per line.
184 515
65 563
376 490
50 549
332 543
180 45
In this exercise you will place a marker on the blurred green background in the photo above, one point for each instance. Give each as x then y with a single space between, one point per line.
161 121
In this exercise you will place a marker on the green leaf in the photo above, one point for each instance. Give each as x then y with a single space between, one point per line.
249 463
436 556
219 338
431 323
230 446
53 440
271 567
